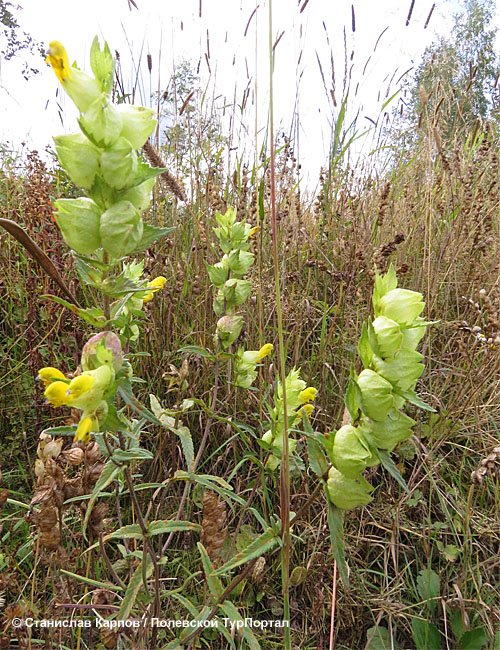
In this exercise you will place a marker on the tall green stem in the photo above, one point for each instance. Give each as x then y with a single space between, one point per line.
285 461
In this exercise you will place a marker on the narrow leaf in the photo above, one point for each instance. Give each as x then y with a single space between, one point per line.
134 586
257 548
389 466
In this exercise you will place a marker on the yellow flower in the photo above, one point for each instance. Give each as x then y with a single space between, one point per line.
254 231
155 285
85 427
264 351
58 59
81 88
56 393
307 409
79 385
308 395
48 375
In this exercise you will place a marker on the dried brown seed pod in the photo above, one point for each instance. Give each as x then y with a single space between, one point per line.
74 456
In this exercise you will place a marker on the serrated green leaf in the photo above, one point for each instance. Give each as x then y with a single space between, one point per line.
162 526
233 614
262 544
61 431
150 235
91 582
364 348
125 391
128 455
414 399
93 315
195 349
181 431
336 527
214 583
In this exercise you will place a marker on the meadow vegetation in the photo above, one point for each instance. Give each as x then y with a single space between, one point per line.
423 562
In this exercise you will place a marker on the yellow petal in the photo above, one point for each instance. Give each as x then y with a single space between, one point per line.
79 385
58 59
85 427
157 283
265 350
308 395
49 375
56 393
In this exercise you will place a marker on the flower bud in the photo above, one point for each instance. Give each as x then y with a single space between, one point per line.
348 493
388 334
376 395
102 349
401 305
351 454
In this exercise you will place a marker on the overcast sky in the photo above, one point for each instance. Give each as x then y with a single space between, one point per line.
29 110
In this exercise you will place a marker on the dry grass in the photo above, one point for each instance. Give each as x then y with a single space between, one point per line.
435 216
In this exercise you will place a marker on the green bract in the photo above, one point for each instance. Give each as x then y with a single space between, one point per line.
79 157
228 329
348 493
351 454
138 124
140 195
376 395
402 370
119 165
78 220
82 89
388 334
121 229
396 427
401 305
101 123
103 348
413 335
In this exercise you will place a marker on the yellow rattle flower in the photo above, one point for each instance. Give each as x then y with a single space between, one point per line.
58 59
48 375
84 429
265 351
155 285
81 88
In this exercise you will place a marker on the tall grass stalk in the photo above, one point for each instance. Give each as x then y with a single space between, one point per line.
285 461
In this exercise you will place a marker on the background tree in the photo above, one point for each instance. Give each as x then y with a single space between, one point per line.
456 83
15 41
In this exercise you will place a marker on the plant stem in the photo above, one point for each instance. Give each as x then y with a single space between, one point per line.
285 461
